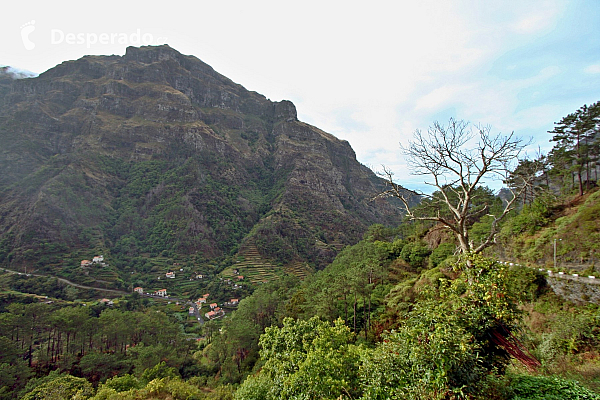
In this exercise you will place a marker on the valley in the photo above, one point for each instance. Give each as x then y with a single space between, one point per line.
167 234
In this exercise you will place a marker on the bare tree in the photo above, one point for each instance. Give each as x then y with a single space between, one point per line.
457 158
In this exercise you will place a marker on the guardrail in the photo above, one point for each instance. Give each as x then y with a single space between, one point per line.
560 274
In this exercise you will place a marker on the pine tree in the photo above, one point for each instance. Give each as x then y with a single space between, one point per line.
576 149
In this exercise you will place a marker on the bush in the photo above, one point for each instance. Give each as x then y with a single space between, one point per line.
63 387
415 253
441 253
444 348
527 387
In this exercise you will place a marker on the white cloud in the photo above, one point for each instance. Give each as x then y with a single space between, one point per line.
537 17
370 73
440 97
593 69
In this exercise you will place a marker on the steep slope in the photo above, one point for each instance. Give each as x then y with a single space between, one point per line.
155 152
570 227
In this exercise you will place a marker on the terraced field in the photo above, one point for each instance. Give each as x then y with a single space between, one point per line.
254 267
298 268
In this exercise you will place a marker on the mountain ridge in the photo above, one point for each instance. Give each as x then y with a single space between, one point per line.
155 151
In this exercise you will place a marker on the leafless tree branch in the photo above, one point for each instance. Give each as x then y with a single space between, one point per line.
459 158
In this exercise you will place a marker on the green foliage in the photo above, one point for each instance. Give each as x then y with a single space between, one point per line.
234 351
527 387
415 253
305 360
60 388
159 371
168 388
352 287
122 383
14 371
530 219
441 253
577 145
577 234
572 332
443 348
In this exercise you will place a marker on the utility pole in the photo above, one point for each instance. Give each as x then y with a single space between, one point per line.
555 252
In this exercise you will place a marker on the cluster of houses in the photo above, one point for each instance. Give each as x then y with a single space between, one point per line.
159 292
215 311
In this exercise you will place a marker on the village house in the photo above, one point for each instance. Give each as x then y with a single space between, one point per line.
106 302
86 263
210 315
234 302
199 276
216 313
213 306
98 259
192 310
139 290
161 293
240 277
202 300
170 275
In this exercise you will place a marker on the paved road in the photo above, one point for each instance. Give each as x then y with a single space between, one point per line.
561 275
197 313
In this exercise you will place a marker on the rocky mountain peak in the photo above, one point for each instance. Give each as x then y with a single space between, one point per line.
157 152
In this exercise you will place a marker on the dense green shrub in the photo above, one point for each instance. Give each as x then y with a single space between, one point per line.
527 387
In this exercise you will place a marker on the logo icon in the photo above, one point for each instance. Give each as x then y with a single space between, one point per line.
26 30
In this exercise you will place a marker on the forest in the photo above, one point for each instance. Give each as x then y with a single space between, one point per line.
423 310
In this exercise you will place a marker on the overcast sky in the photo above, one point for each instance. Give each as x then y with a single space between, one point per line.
367 72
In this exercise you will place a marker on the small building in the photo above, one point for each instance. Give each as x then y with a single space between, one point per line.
106 302
192 310
170 275
234 302
201 300
161 292
86 263
98 259
213 306
206 295
139 290
199 276
240 277
215 313
210 315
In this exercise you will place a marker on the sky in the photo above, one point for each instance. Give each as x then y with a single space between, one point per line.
370 72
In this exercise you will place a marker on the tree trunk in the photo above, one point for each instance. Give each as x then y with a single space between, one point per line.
354 311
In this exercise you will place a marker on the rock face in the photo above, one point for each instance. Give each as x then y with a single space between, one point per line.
155 152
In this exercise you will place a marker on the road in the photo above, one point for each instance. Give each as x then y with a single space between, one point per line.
197 313
68 282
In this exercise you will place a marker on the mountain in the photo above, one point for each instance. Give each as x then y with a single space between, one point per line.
155 153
